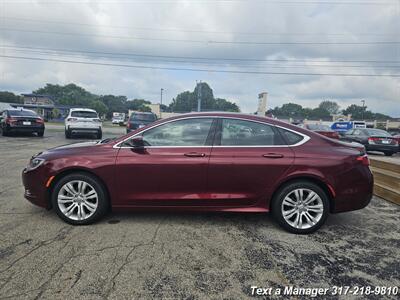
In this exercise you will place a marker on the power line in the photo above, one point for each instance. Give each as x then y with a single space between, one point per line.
199 70
267 2
48 51
201 41
229 59
189 30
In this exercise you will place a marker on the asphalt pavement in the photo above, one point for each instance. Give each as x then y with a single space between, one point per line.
183 255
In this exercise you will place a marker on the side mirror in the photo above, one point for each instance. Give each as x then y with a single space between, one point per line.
136 142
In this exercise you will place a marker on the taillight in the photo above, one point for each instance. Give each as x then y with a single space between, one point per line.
11 120
40 121
372 140
363 159
72 119
97 120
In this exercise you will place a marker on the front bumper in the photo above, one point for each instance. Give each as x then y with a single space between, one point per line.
35 187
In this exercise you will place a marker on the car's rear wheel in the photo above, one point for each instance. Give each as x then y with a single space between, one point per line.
79 199
4 131
387 153
67 134
40 133
300 207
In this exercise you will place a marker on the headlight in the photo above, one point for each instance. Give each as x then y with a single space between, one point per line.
34 163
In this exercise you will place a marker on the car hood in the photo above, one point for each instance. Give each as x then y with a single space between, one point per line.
75 145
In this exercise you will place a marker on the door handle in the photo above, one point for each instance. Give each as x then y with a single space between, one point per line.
195 154
273 155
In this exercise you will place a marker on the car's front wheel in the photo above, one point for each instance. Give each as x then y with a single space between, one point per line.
79 199
388 153
301 207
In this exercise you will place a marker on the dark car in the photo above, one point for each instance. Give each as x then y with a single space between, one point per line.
373 140
21 121
139 119
205 162
323 129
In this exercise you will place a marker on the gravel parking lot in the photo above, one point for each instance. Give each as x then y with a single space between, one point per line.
179 256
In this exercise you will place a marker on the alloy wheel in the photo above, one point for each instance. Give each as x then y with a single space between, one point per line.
302 208
77 200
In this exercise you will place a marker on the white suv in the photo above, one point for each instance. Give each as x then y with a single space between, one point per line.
83 120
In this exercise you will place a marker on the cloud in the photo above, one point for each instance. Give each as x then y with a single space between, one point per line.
127 26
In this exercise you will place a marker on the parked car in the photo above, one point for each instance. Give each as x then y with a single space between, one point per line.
204 162
83 121
118 120
373 140
139 119
21 121
322 129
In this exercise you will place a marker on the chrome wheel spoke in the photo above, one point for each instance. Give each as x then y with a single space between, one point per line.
90 206
289 201
289 213
69 188
310 219
311 197
70 210
315 208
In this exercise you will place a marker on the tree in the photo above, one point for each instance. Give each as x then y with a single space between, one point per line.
114 104
100 107
358 112
9 97
187 101
138 104
330 106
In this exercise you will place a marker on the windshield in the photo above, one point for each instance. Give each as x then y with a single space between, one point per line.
143 117
377 132
22 113
319 127
84 114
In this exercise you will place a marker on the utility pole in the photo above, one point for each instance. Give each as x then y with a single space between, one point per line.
199 96
363 102
161 100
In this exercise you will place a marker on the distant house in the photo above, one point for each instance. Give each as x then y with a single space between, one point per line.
4 106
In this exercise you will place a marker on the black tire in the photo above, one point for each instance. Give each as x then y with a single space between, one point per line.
4 131
67 134
388 153
99 135
286 191
40 133
102 198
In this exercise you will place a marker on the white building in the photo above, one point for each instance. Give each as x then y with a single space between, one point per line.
262 104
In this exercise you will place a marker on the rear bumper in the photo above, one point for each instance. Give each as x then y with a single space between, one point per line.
25 128
382 148
88 130
355 193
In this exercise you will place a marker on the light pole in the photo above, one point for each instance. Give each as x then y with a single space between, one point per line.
363 102
161 93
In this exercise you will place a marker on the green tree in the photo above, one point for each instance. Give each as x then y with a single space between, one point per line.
9 97
114 104
330 106
358 112
100 107
187 101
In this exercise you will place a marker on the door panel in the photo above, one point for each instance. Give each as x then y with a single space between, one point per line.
246 162
171 169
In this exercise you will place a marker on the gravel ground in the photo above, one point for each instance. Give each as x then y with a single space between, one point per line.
180 256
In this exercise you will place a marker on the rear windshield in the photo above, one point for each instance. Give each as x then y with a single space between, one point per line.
22 113
319 127
143 117
84 114
377 132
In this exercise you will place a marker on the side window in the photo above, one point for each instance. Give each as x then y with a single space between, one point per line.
248 133
188 132
357 132
291 137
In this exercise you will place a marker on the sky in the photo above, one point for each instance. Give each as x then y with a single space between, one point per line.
300 51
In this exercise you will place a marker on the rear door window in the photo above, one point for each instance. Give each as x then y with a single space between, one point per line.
248 133
84 114
291 137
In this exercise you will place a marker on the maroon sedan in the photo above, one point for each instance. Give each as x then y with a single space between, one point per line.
205 162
